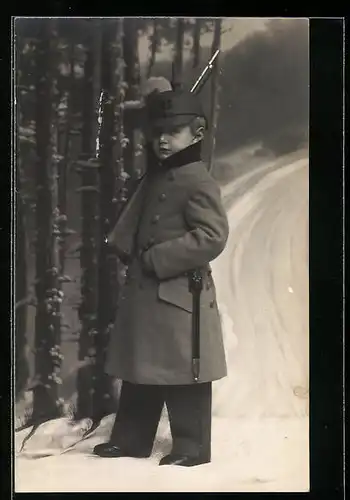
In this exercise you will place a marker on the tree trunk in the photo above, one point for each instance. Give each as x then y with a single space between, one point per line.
108 287
154 47
21 284
196 42
21 362
132 80
214 92
64 150
49 295
177 67
120 112
89 253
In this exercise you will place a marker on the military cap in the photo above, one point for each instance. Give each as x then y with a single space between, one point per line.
173 107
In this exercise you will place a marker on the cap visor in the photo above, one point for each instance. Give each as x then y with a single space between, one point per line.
173 121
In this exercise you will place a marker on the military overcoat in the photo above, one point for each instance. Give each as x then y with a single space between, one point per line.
182 226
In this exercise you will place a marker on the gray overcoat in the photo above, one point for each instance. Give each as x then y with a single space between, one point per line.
184 226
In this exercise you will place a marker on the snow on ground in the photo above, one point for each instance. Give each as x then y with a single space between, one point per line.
260 411
248 455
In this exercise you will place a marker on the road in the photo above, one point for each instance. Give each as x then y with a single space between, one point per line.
262 285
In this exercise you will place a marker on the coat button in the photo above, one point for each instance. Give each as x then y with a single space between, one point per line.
171 176
212 304
155 219
162 197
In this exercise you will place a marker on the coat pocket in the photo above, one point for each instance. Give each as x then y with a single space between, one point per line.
176 292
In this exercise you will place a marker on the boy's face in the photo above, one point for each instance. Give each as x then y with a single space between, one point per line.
170 140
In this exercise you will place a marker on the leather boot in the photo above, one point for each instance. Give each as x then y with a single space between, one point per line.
109 450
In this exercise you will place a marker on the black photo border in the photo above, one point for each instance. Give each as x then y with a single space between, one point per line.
326 248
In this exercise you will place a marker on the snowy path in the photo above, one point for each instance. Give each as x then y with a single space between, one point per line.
248 455
260 414
265 294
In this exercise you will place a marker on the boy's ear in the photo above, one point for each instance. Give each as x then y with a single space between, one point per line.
198 135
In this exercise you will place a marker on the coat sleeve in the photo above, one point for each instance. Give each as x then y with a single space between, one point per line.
203 242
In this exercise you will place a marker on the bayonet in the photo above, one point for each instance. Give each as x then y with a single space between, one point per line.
203 77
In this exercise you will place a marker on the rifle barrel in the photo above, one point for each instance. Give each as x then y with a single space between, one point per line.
205 73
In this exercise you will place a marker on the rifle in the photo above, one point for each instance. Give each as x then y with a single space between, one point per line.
195 278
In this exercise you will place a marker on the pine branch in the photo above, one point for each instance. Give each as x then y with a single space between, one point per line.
136 104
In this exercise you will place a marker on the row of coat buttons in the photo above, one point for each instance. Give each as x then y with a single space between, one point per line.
155 220
162 197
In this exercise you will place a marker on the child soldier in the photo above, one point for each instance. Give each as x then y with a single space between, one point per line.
182 226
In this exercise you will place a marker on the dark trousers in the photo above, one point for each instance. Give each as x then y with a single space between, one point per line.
140 408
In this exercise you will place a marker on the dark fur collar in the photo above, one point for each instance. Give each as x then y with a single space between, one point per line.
183 157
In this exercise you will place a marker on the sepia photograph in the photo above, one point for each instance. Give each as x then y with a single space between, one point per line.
161 254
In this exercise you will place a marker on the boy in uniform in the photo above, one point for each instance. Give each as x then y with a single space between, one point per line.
182 226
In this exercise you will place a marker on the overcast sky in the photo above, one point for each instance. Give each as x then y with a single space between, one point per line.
235 29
